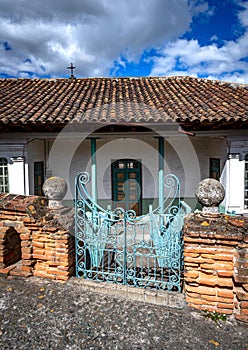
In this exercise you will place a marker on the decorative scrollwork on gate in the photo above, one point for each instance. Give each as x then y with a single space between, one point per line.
119 247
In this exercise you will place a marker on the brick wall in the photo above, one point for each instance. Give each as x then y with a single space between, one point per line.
216 264
30 232
215 252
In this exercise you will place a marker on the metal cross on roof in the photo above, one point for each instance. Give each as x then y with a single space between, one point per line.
71 67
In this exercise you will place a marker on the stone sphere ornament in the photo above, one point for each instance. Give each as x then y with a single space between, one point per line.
210 193
55 189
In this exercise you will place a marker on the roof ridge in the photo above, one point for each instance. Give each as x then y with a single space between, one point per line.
169 77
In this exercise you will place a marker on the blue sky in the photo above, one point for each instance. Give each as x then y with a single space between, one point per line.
202 38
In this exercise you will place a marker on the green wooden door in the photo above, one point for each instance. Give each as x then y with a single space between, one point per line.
126 184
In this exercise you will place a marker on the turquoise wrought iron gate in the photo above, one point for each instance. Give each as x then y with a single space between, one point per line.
119 247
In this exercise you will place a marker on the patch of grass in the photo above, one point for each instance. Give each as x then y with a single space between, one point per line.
214 316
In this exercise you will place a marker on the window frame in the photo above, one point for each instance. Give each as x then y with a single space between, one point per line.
39 178
214 163
4 175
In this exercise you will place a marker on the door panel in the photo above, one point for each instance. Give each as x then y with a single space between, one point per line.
126 184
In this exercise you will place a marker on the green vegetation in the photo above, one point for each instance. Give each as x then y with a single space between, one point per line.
215 316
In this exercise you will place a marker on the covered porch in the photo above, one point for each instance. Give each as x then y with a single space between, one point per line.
127 164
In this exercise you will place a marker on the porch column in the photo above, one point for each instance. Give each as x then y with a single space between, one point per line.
235 183
161 174
93 170
17 177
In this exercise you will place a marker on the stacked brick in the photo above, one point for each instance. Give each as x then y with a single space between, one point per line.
12 216
241 278
28 262
216 264
44 247
54 251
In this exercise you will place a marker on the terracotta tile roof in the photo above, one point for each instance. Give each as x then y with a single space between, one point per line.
55 102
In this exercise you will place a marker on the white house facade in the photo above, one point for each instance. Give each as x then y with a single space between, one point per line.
125 132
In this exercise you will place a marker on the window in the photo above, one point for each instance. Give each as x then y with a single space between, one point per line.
246 182
214 168
4 179
38 178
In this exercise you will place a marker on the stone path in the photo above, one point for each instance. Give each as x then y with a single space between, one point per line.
42 314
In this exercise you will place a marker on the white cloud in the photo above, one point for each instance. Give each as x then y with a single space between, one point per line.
214 38
100 35
243 15
228 62
93 34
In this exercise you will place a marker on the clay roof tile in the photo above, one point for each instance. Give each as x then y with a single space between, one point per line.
60 101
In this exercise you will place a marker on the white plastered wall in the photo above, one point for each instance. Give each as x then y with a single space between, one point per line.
187 158
127 148
16 156
36 149
235 171
235 184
